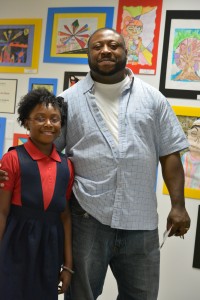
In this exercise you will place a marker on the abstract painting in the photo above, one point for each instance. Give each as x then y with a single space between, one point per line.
189 118
180 69
68 30
19 45
139 22
19 138
70 78
48 83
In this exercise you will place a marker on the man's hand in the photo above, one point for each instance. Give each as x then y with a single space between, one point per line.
178 220
3 177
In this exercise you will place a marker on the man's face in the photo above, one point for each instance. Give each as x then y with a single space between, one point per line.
106 53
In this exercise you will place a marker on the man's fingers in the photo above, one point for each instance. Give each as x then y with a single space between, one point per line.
181 231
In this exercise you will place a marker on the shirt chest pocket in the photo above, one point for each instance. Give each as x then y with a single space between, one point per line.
142 122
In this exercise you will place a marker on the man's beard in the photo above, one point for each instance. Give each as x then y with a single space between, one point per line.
118 67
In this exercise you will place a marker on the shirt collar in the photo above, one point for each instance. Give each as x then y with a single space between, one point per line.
89 82
36 154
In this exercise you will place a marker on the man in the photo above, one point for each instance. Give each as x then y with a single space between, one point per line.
118 129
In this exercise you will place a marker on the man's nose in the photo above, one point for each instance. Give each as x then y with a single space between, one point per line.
105 49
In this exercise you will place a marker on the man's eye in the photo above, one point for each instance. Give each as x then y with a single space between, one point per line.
97 47
113 47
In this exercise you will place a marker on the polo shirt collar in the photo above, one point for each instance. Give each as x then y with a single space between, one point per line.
36 154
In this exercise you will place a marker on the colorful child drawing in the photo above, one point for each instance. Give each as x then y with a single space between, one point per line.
13 45
191 158
138 25
186 55
73 38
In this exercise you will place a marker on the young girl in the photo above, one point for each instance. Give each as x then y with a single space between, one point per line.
35 223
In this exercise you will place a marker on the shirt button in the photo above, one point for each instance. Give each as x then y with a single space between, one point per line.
86 215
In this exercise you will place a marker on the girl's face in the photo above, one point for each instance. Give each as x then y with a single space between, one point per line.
44 124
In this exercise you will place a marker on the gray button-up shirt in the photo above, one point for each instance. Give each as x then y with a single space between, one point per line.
116 183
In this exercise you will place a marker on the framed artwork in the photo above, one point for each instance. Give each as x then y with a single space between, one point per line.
8 92
70 78
19 138
196 258
49 83
20 45
68 30
139 22
2 134
180 69
189 118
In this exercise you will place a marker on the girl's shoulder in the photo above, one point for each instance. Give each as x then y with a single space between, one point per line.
10 158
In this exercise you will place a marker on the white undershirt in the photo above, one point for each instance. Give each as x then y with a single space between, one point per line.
107 99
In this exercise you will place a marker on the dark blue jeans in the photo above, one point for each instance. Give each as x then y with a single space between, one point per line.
133 256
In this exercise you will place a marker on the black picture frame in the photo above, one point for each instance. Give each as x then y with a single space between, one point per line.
196 258
67 78
177 91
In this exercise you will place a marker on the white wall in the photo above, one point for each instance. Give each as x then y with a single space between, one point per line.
179 281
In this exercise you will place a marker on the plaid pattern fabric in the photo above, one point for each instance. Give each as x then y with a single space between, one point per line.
116 184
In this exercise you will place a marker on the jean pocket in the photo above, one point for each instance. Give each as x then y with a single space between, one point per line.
77 210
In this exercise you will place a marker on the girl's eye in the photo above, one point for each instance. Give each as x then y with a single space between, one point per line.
55 120
40 119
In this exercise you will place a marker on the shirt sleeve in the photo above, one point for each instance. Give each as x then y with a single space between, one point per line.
10 164
71 178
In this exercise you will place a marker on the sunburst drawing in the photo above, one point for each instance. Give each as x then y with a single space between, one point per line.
73 39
